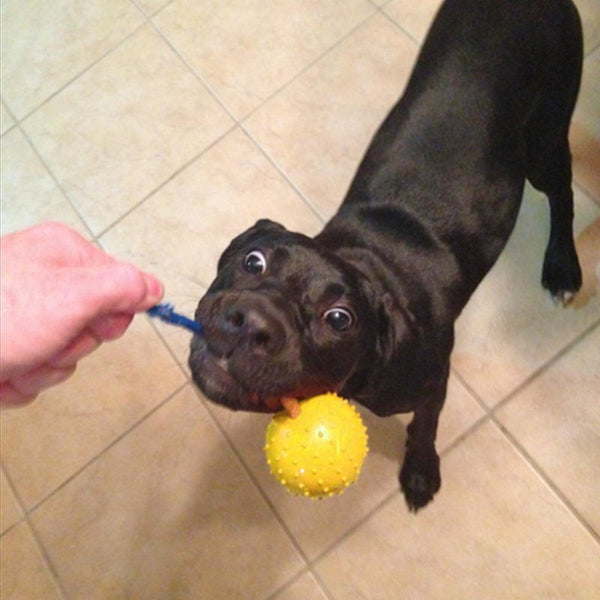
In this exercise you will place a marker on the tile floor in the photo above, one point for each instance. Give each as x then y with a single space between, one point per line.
160 129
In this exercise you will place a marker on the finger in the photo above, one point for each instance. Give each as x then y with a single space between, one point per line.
83 345
115 287
41 378
155 292
110 327
10 398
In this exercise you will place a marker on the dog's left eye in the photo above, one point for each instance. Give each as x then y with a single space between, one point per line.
255 262
338 318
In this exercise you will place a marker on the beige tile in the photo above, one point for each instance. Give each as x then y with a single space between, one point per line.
316 524
180 232
10 512
460 411
556 419
414 17
585 129
152 6
6 121
317 129
510 327
588 247
29 194
589 11
24 574
247 50
124 127
304 588
495 531
45 45
46 442
166 513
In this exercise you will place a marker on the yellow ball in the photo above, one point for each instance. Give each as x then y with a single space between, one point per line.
320 452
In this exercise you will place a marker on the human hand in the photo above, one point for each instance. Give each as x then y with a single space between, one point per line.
61 297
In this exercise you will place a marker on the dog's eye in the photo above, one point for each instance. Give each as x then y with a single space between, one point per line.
338 318
255 262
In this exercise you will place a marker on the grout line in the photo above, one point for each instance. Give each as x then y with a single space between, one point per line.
259 488
546 478
17 124
188 66
166 181
322 585
154 325
547 364
322 56
287 584
24 519
576 183
81 73
520 448
46 557
591 51
17 499
147 14
364 519
465 384
27 513
405 32
329 50
105 449
237 122
250 474
397 492
284 175
307 571
56 180
490 417
543 368
240 121
11 114
309 564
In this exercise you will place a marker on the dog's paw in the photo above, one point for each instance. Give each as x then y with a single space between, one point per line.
561 274
420 477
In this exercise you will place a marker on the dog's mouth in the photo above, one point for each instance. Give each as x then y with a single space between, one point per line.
244 386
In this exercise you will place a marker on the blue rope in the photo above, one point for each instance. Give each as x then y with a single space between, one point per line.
166 312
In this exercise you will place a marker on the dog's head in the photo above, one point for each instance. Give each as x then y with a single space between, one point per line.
283 318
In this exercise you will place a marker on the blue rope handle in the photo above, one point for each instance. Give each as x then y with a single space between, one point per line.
166 312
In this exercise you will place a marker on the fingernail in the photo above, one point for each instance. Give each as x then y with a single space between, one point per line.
155 289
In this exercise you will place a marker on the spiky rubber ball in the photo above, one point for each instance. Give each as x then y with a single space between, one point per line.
321 451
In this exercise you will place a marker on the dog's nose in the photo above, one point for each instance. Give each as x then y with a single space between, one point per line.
250 326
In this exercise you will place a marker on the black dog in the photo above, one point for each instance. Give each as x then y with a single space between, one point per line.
367 307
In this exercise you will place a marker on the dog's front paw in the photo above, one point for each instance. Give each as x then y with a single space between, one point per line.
420 477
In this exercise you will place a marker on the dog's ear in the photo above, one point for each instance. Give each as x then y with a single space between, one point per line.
390 333
396 325
262 229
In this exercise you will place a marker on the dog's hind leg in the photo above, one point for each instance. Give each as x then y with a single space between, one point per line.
561 273
549 163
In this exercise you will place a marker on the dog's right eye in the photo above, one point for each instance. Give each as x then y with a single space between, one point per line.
339 318
255 262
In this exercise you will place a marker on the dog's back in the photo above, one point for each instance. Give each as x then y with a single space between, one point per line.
488 105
